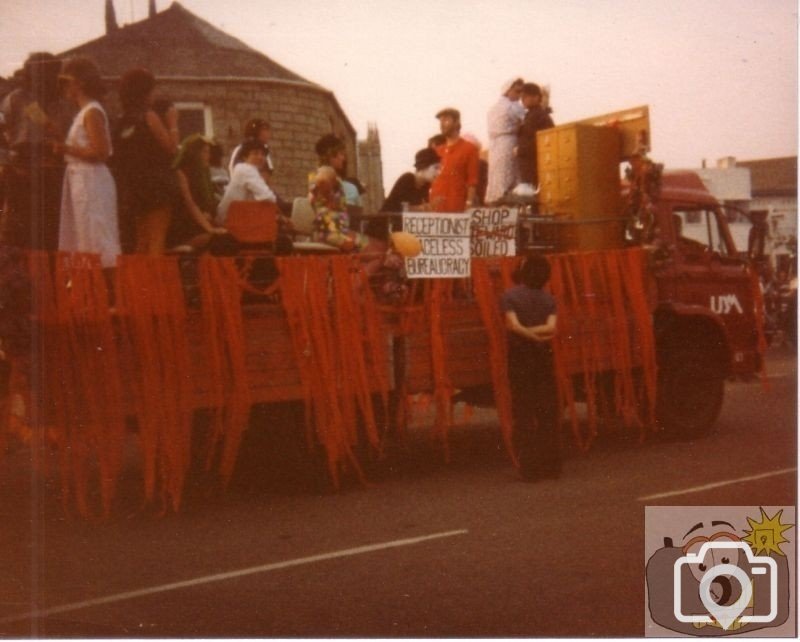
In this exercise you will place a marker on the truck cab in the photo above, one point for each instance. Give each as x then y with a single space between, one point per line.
706 318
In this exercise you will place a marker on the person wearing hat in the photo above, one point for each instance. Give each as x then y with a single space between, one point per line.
255 129
412 187
35 117
504 120
454 188
410 190
247 183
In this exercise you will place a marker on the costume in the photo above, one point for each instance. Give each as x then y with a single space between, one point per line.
534 396
332 223
246 185
448 191
406 190
89 200
504 120
536 119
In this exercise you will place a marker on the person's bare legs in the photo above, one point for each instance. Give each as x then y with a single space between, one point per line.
151 231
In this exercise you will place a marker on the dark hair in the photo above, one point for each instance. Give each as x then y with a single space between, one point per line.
436 140
531 89
328 145
39 74
534 271
161 106
250 145
426 157
87 73
216 154
253 126
134 88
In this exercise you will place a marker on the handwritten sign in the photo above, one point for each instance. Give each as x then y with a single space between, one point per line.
445 240
494 231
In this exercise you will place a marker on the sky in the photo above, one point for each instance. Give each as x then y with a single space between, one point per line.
720 76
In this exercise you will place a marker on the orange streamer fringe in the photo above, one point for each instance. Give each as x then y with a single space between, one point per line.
76 394
486 295
152 314
85 356
225 349
334 329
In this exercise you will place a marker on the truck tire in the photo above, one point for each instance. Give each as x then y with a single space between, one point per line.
691 386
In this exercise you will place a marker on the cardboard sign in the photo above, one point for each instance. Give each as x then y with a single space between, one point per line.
494 231
445 242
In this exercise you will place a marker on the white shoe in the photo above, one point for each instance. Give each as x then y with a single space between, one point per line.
524 190
182 249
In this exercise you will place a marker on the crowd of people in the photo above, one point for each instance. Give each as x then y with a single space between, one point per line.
76 180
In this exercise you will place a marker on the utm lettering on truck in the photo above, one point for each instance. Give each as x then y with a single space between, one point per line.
725 304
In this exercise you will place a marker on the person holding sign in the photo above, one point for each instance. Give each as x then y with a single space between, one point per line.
455 186
530 318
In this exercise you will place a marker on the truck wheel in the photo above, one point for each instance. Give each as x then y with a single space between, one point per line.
690 391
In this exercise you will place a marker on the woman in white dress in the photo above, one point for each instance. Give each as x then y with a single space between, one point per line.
89 199
504 120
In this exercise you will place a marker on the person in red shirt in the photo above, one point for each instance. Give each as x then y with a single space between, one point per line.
454 189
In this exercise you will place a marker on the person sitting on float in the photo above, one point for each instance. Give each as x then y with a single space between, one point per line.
412 187
192 226
246 183
331 223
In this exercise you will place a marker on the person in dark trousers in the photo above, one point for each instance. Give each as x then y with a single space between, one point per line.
530 318
536 119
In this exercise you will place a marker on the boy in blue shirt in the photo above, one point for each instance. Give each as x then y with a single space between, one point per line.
530 318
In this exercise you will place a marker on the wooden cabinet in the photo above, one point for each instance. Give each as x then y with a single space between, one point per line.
580 183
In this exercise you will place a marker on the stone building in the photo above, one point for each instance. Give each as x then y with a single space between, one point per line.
774 189
370 170
218 83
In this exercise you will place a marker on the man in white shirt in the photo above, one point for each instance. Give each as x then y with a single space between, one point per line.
255 129
246 182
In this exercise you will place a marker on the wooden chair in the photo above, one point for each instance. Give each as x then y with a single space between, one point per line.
253 223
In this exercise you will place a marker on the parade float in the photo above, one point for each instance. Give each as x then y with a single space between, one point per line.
650 325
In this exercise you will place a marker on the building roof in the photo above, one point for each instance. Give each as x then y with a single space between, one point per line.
772 176
177 43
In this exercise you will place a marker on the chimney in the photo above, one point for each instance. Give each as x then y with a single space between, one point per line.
728 162
111 17
704 164
152 9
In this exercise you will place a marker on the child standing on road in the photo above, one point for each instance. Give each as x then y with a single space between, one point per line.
530 318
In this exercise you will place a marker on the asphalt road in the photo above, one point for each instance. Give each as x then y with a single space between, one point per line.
427 549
